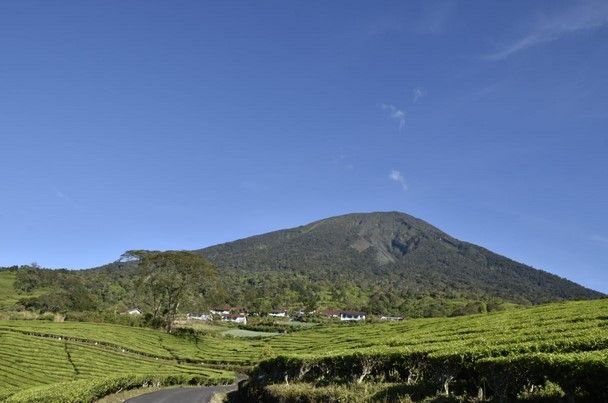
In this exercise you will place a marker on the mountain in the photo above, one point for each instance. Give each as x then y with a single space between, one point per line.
390 252
382 263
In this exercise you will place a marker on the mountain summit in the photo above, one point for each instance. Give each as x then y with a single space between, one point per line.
392 251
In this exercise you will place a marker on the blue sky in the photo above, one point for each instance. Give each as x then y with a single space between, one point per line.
181 124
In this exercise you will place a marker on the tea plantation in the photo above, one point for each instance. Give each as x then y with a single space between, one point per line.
493 356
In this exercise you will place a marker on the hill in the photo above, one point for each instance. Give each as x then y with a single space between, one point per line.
393 254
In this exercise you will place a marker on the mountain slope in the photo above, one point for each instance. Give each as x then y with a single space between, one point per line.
395 251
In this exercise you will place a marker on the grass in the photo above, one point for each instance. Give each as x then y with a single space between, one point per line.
299 324
247 333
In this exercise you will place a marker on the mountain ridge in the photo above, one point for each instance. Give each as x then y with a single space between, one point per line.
397 245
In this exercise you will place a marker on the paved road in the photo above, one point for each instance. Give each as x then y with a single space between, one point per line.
182 395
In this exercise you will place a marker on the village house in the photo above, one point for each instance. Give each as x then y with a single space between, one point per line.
199 316
278 314
134 311
235 318
330 313
352 315
221 310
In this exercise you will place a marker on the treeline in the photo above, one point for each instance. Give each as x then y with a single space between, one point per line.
114 288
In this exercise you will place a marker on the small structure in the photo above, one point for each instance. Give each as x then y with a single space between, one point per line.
235 318
134 311
199 316
221 310
391 318
330 313
352 315
278 313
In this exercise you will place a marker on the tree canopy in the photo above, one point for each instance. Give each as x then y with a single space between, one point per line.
164 280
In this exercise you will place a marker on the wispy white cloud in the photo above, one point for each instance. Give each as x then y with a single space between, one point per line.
418 93
60 195
431 18
434 16
397 114
585 15
396 176
343 161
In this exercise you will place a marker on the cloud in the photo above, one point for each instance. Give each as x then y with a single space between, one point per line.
418 93
397 114
584 16
343 161
60 195
433 16
396 176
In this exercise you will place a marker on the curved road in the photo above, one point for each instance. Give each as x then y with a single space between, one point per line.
182 395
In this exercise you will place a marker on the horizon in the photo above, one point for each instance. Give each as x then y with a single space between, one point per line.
161 126
305 224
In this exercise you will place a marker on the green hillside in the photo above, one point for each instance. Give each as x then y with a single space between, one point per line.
9 297
382 262
44 353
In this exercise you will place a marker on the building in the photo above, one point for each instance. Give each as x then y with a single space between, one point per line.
199 316
134 311
235 318
352 315
330 313
278 314
221 310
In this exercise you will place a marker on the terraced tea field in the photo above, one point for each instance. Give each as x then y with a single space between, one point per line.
565 327
499 356
35 353
30 360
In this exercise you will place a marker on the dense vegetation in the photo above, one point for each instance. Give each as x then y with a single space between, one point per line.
381 263
505 356
157 282
501 355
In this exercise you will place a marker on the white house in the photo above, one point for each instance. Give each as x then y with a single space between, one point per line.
278 314
134 311
352 315
240 318
199 316
220 310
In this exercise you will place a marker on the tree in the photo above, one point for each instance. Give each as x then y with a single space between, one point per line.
165 280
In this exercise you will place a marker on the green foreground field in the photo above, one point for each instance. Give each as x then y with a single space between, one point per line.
43 355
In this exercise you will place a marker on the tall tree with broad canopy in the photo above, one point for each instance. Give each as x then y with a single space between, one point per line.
167 279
